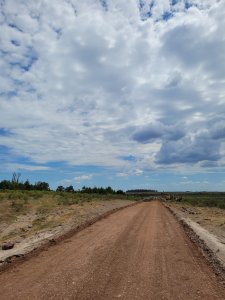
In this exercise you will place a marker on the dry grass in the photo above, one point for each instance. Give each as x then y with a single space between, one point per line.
206 216
23 213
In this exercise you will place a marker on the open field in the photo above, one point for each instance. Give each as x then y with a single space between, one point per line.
209 199
140 252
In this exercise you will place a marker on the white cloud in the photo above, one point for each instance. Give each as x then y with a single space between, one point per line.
12 167
87 85
76 179
138 172
121 174
83 177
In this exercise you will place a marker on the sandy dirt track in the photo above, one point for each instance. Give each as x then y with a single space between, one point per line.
140 252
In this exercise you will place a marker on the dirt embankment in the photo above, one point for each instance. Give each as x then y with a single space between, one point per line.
206 227
27 236
210 218
140 252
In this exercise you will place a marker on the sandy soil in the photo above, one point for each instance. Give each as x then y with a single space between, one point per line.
140 252
28 237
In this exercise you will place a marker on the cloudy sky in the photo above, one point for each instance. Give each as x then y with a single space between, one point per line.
113 92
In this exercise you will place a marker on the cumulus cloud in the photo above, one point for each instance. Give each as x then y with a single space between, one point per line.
90 82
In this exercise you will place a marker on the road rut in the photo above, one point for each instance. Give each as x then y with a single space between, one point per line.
140 252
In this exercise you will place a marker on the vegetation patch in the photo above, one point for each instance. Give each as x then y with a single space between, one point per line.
201 199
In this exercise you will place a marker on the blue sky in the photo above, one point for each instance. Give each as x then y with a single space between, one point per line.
129 94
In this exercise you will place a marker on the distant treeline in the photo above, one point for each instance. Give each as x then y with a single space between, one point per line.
16 184
89 190
141 191
38 186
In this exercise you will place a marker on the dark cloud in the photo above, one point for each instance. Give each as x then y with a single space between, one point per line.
152 132
147 134
188 152
218 132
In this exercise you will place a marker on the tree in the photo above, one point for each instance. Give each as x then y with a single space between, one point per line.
41 186
16 177
5 185
60 188
120 192
27 186
69 189
109 190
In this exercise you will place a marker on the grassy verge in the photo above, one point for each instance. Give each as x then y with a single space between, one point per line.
208 199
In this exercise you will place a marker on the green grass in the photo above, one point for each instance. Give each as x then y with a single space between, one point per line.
209 199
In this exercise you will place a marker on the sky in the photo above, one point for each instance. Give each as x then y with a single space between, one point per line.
129 94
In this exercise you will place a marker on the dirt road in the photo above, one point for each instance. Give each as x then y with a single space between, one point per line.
140 252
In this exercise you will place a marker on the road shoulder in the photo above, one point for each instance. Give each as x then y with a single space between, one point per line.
210 243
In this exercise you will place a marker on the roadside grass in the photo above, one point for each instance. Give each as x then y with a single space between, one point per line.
48 209
204 199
